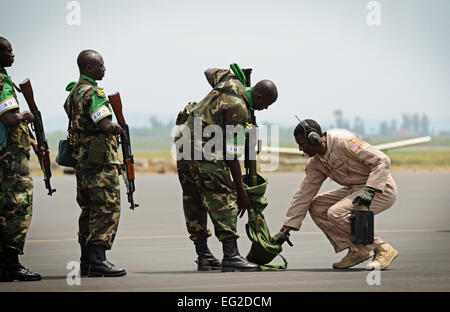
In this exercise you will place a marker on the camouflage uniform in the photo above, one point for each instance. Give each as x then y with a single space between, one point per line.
98 188
207 185
16 196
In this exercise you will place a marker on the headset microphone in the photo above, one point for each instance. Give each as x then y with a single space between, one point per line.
312 136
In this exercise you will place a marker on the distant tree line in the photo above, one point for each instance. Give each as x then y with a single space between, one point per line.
413 123
156 129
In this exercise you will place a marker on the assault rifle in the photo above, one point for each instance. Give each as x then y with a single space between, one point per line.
251 176
128 159
38 128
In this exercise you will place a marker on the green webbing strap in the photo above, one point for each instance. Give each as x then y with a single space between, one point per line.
248 95
238 72
275 266
257 238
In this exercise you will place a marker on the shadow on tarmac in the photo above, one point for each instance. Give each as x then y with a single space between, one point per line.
54 277
179 272
329 270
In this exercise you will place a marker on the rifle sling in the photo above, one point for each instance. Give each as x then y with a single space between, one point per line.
17 88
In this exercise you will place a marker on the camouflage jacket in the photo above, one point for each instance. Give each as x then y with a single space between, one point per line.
87 105
18 136
231 98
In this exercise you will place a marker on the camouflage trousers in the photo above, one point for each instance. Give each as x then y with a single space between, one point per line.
98 195
16 202
208 189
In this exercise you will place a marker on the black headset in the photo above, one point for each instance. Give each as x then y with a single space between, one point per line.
311 134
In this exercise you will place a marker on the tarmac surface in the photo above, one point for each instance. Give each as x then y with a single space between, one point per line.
153 245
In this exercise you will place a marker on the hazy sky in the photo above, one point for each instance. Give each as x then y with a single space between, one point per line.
322 55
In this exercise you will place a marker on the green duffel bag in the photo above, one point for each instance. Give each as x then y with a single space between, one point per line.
262 251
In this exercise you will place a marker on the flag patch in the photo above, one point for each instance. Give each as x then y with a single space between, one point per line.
355 146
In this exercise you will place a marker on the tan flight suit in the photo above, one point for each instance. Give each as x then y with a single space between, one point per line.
352 163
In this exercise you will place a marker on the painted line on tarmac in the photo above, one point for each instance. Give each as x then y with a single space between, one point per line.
241 234
117 238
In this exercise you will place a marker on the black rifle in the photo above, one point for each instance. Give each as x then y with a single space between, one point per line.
251 175
38 128
128 159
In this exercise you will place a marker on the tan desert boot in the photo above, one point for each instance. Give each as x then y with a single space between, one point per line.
384 255
352 258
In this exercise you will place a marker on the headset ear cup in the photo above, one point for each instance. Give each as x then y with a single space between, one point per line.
314 139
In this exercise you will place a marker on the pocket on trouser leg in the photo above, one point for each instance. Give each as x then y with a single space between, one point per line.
103 177
15 228
195 213
104 217
218 194
215 176
195 216
16 210
222 209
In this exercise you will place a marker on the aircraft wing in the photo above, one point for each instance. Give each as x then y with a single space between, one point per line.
382 147
403 143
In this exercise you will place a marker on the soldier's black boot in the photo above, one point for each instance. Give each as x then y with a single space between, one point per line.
205 259
233 261
100 266
13 270
2 277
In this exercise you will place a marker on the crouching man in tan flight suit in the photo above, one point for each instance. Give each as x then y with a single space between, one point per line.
363 171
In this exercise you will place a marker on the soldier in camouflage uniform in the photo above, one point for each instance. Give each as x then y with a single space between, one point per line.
207 185
93 137
16 195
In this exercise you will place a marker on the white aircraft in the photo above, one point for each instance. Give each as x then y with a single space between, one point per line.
382 147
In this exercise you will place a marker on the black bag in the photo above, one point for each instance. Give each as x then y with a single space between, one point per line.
362 227
65 149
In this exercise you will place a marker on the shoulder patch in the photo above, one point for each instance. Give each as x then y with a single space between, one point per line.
354 145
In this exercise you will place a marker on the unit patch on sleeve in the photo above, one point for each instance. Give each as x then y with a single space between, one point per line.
100 113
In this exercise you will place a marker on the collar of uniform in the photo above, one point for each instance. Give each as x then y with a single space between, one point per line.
242 91
88 79
3 71
330 143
